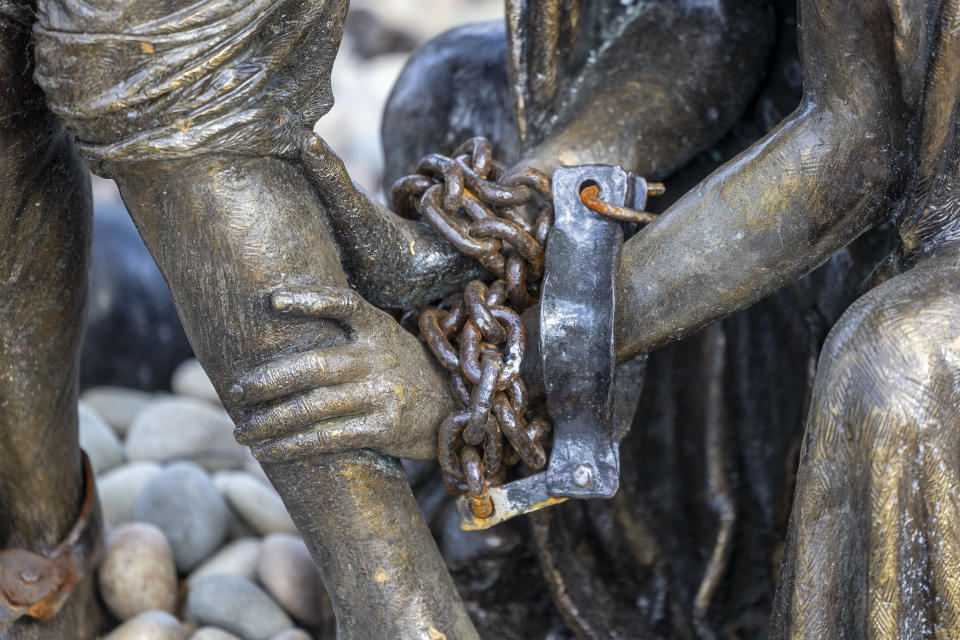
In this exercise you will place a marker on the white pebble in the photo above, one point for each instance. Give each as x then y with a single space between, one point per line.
189 379
98 440
182 501
181 428
118 405
287 572
239 558
292 634
212 633
257 503
152 625
119 488
237 605
137 573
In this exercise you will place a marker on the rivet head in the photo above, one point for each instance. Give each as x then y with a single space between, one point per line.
583 475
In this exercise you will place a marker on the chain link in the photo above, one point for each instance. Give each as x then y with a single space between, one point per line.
484 211
480 208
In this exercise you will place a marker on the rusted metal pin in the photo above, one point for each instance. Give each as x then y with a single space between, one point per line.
589 195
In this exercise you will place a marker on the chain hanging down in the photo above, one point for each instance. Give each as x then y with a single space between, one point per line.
482 209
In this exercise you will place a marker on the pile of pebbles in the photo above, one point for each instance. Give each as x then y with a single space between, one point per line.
198 544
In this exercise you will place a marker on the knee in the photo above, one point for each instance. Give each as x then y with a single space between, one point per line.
886 370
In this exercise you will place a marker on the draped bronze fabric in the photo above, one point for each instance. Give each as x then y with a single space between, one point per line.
155 79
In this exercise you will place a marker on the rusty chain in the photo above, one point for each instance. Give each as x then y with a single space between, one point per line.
483 210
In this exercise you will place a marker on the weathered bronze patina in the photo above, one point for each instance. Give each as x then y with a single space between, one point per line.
202 111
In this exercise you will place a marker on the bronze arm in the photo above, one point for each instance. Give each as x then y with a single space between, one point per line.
642 85
395 262
785 205
672 78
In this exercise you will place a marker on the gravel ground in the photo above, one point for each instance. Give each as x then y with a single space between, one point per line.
198 544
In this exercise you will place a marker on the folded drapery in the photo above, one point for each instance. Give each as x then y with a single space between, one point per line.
159 79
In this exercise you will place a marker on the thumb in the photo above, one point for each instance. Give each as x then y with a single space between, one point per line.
327 172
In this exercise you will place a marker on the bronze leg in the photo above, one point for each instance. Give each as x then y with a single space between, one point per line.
874 538
227 231
45 216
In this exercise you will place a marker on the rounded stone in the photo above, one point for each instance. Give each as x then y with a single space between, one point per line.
212 633
119 405
180 428
150 625
183 502
120 487
292 634
239 558
189 379
98 440
256 503
236 605
137 573
286 571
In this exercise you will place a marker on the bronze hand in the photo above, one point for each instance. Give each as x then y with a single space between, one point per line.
378 390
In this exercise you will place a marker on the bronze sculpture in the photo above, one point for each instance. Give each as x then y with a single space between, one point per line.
202 113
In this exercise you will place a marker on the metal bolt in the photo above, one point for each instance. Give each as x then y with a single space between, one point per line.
583 476
481 506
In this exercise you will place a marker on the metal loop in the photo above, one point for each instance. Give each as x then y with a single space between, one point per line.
473 471
437 341
517 392
530 177
475 300
447 450
37 585
492 192
530 452
482 397
498 293
481 155
407 190
475 208
590 196
454 231
542 226
538 429
514 347
456 316
518 216
460 387
517 282
452 174
492 450
470 339
514 235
